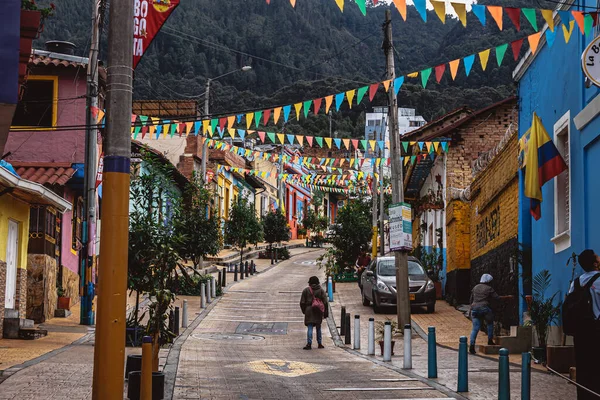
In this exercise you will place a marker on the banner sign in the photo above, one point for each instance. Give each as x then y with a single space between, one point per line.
400 227
148 17
100 170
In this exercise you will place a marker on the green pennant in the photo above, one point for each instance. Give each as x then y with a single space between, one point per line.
144 119
174 129
412 159
500 51
425 76
257 118
361 94
531 17
364 144
319 141
307 105
405 146
213 124
271 136
588 23
137 131
362 5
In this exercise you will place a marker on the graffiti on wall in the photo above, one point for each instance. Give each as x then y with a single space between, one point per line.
489 228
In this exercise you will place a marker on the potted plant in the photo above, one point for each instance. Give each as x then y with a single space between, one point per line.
32 18
64 302
380 331
542 312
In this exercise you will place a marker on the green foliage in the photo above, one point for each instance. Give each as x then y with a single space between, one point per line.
328 260
542 310
243 226
352 231
45 12
275 227
191 286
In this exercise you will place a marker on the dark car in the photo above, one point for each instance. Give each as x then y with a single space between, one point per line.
379 284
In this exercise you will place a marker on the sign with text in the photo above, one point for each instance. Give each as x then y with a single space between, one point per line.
400 215
590 61
148 17
100 170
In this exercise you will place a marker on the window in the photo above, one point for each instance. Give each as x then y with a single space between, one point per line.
77 222
562 187
38 105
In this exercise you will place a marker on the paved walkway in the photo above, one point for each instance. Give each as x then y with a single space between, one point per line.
483 372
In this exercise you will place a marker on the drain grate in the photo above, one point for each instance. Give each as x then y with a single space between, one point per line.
224 336
273 328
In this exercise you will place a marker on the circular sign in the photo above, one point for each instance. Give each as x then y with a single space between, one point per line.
590 61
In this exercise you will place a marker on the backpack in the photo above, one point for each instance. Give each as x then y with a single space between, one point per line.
317 303
577 310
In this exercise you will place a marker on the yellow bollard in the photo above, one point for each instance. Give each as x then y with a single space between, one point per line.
146 380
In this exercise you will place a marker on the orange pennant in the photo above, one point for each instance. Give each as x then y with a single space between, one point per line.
328 101
276 114
230 121
454 68
386 84
496 12
534 40
401 7
579 18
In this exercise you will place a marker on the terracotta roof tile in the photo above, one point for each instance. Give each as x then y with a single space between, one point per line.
46 175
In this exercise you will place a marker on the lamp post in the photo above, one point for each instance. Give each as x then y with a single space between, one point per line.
207 113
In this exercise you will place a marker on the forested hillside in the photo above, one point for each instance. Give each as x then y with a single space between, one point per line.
303 53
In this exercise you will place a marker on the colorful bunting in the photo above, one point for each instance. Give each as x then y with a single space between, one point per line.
340 4
307 105
425 76
398 84
276 114
421 6
362 6
328 101
549 18
350 96
298 108
339 98
534 40
500 51
361 94
372 90
483 58
461 10
569 32
550 37
469 63
439 72
440 9
515 16
531 16
454 68
479 11
578 15
401 7
516 48
317 105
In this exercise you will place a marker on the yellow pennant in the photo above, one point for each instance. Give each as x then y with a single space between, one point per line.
387 144
440 9
372 143
340 4
406 159
436 145
280 136
346 143
298 108
569 32
230 121
166 129
461 10
454 68
413 75
300 139
153 126
484 56
350 96
205 126
328 101
342 162
386 84
549 18
231 132
377 162
276 114
249 118
328 141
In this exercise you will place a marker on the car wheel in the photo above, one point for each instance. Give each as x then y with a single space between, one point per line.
376 308
431 308
365 301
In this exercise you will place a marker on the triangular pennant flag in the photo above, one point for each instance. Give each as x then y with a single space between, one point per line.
222 122
436 145
328 101
298 108
361 93
496 13
500 51
213 124
372 90
364 144
439 72
309 139
469 60
484 56
230 121
290 138
350 96
338 143
261 135
405 146
281 137
578 15
271 136
307 105
445 146
347 143
550 37
189 127
328 141
549 18
516 48
381 145
594 16
425 76
386 84
372 143
355 143
461 10
317 105
286 112
588 23
413 159
266 117
398 84
421 6
143 118
231 132
300 139
479 11
454 68
249 118
197 125
340 4
421 146
257 118
531 16
293 3
440 9
565 16
401 7
319 141
239 118
515 16
406 160
339 98
569 32
362 6
205 126
276 114
534 41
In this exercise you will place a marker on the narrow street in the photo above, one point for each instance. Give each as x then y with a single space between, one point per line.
250 347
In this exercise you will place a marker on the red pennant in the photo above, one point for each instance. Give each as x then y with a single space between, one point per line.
181 128
375 2
261 135
515 16
317 104
594 17
389 161
355 143
266 117
144 130
309 139
372 90
222 122
268 1
516 48
439 72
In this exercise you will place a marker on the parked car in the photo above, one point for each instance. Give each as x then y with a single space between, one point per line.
379 284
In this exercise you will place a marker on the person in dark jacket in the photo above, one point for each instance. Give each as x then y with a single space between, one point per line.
313 317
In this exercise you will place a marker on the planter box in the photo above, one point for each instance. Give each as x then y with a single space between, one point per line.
560 358
345 277
30 24
438 290
64 303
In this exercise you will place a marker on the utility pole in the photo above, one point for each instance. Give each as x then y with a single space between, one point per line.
109 350
401 257
381 196
87 252
206 115
374 209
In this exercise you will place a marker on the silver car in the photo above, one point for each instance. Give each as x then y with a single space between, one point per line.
379 284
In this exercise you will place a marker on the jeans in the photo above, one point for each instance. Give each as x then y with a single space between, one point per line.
477 315
309 334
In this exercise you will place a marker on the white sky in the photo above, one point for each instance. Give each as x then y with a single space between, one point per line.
449 9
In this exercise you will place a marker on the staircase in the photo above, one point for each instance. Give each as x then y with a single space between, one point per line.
519 341
20 328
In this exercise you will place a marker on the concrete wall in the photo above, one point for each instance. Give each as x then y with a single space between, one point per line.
458 263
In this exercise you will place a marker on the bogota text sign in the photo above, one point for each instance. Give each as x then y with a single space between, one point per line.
148 17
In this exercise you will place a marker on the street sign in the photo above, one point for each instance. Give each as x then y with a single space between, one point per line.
400 227
590 61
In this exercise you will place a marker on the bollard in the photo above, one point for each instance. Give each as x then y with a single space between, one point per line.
463 368
330 288
348 336
235 272
146 381
241 271
371 337
202 296
272 258
431 354
407 347
219 278
224 280
357 332
253 265
213 282
207 287
525 376
503 376
343 323
171 321
387 341
246 266
184 315
275 255
176 322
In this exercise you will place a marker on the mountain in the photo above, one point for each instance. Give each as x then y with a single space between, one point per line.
303 53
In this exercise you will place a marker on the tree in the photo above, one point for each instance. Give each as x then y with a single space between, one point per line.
352 231
275 227
243 226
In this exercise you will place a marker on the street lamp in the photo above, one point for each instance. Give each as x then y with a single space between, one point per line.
206 112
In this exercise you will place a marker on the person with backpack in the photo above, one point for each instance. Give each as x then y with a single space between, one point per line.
313 304
581 319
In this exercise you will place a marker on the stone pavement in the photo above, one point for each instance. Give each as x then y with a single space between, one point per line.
249 346
483 372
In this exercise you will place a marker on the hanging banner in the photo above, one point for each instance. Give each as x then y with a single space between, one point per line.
100 170
400 227
148 17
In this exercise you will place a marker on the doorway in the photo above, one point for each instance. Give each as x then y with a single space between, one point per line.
12 249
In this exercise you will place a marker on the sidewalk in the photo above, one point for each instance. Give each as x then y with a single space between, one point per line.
483 372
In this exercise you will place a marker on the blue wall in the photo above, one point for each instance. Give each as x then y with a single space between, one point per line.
9 50
553 85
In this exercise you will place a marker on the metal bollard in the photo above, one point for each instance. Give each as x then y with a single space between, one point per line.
246 266
431 354
387 341
235 272
463 367
343 322
357 332
272 256
171 321
208 296
202 296
224 280
407 347
348 335
330 288
253 265
146 379
213 281
241 271
184 315
176 322
525 376
219 278
371 337
276 255
503 376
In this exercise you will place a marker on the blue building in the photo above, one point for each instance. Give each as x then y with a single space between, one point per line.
552 84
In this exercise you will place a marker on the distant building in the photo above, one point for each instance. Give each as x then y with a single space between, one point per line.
376 127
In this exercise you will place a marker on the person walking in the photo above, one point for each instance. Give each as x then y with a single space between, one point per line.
313 304
587 350
362 262
483 299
